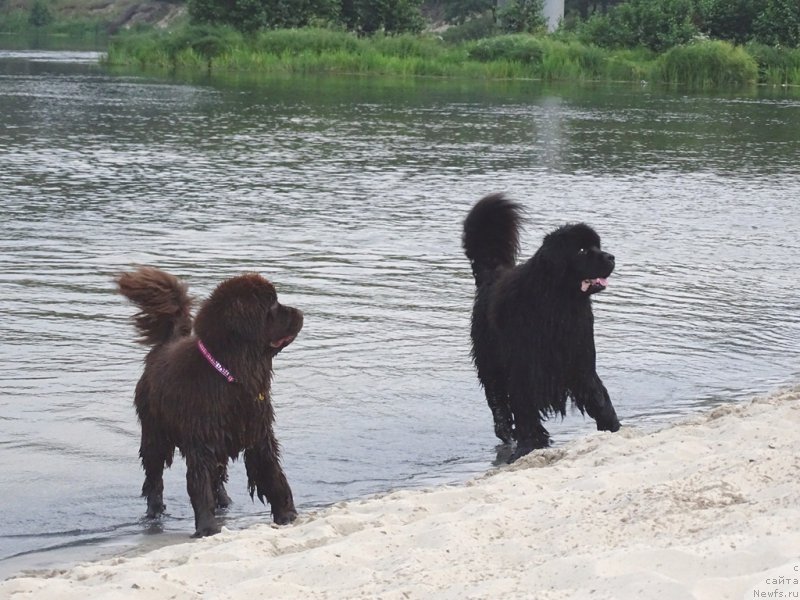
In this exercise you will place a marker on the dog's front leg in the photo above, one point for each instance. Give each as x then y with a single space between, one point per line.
202 471
266 478
595 400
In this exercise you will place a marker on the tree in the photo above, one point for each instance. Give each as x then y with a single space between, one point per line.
40 14
459 11
779 23
522 16
389 16
364 16
656 24
730 20
251 15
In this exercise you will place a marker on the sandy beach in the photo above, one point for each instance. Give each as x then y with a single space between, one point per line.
706 508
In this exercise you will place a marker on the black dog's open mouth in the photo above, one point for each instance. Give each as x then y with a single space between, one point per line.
282 342
594 285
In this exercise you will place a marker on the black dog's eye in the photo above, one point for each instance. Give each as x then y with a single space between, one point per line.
581 250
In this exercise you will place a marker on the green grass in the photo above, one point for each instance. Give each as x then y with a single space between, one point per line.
559 59
18 23
701 65
776 66
706 64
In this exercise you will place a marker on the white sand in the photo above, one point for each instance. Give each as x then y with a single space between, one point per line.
708 508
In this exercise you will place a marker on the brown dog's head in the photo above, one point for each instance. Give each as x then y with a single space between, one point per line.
244 311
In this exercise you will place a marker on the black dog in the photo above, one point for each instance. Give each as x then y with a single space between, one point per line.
532 324
208 394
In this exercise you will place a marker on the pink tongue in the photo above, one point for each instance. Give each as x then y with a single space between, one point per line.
282 341
586 283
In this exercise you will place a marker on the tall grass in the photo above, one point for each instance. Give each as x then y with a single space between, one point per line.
776 66
18 23
706 64
699 65
554 59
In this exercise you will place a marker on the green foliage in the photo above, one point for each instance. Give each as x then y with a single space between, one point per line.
40 14
654 24
549 58
730 20
389 16
363 16
207 42
293 42
522 16
707 64
251 15
244 15
776 66
202 45
662 24
407 46
461 11
474 29
779 23
699 65
518 48
45 21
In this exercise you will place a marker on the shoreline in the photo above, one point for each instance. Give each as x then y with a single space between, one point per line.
706 507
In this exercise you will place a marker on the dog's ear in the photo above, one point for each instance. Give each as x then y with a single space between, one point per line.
246 318
553 257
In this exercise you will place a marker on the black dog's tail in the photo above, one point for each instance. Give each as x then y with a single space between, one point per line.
491 235
163 301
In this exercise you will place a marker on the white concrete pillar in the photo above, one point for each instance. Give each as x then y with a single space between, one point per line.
553 13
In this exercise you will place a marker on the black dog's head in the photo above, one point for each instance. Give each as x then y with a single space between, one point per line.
244 310
573 254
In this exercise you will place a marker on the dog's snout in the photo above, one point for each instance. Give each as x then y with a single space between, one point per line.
609 257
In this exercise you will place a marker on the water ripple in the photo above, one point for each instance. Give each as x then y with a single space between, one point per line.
350 196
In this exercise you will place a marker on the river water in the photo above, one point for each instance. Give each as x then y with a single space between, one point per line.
349 193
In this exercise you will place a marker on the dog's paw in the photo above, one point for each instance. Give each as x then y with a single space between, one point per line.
155 510
284 517
520 451
611 425
207 531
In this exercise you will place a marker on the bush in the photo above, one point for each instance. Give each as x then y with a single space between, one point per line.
388 16
779 23
314 40
474 29
776 66
730 20
654 24
707 64
522 16
516 47
40 14
407 46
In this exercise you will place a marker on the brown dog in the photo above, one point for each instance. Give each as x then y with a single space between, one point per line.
208 394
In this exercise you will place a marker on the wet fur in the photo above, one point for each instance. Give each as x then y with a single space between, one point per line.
532 326
183 402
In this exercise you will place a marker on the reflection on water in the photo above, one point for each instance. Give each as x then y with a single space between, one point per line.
349 193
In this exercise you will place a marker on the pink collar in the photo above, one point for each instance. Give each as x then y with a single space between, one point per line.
214 362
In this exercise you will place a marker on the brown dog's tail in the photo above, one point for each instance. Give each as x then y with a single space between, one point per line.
163 301
491 236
